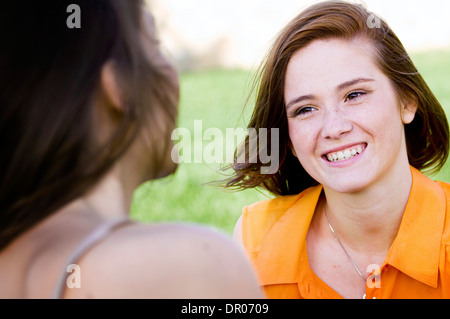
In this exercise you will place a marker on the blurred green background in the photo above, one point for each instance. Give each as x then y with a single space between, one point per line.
218 97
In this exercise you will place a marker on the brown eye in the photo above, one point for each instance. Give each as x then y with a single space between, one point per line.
303 111
354 95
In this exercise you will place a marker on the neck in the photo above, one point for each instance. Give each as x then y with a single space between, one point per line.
367 221
108 199
112 196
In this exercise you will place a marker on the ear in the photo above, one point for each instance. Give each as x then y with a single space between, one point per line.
110 88
408 110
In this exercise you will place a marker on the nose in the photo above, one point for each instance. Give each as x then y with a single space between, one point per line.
335 124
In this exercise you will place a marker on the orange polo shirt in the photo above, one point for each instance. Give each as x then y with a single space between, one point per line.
416 266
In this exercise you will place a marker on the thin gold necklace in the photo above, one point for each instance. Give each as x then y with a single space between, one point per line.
343 248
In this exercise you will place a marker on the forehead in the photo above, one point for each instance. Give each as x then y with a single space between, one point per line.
325 63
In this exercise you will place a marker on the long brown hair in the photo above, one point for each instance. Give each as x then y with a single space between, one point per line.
427 137
49 78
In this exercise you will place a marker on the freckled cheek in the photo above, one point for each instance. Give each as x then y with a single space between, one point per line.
389 131
303 139
381 129
381 117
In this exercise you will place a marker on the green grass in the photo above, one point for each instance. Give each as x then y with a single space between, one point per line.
217 98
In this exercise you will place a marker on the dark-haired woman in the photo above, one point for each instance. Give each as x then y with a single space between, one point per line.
86 116
354 217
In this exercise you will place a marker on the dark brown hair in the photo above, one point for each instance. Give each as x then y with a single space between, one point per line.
427 136
49 80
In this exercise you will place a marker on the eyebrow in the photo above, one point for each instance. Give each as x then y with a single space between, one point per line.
344 85
340 87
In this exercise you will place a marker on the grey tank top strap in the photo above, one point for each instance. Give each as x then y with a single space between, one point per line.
97 235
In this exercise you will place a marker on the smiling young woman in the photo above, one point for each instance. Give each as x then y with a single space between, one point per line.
354 216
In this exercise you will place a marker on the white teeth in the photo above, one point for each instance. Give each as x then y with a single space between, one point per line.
345 154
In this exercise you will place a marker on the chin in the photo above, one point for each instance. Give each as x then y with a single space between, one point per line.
348 186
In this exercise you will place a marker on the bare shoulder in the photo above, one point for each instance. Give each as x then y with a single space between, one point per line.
237 234
166 261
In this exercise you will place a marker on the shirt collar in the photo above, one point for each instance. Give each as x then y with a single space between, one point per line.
415 250
279 262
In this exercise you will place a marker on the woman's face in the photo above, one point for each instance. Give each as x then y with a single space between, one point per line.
345 119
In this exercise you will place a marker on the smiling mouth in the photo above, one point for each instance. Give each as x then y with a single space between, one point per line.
345 154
